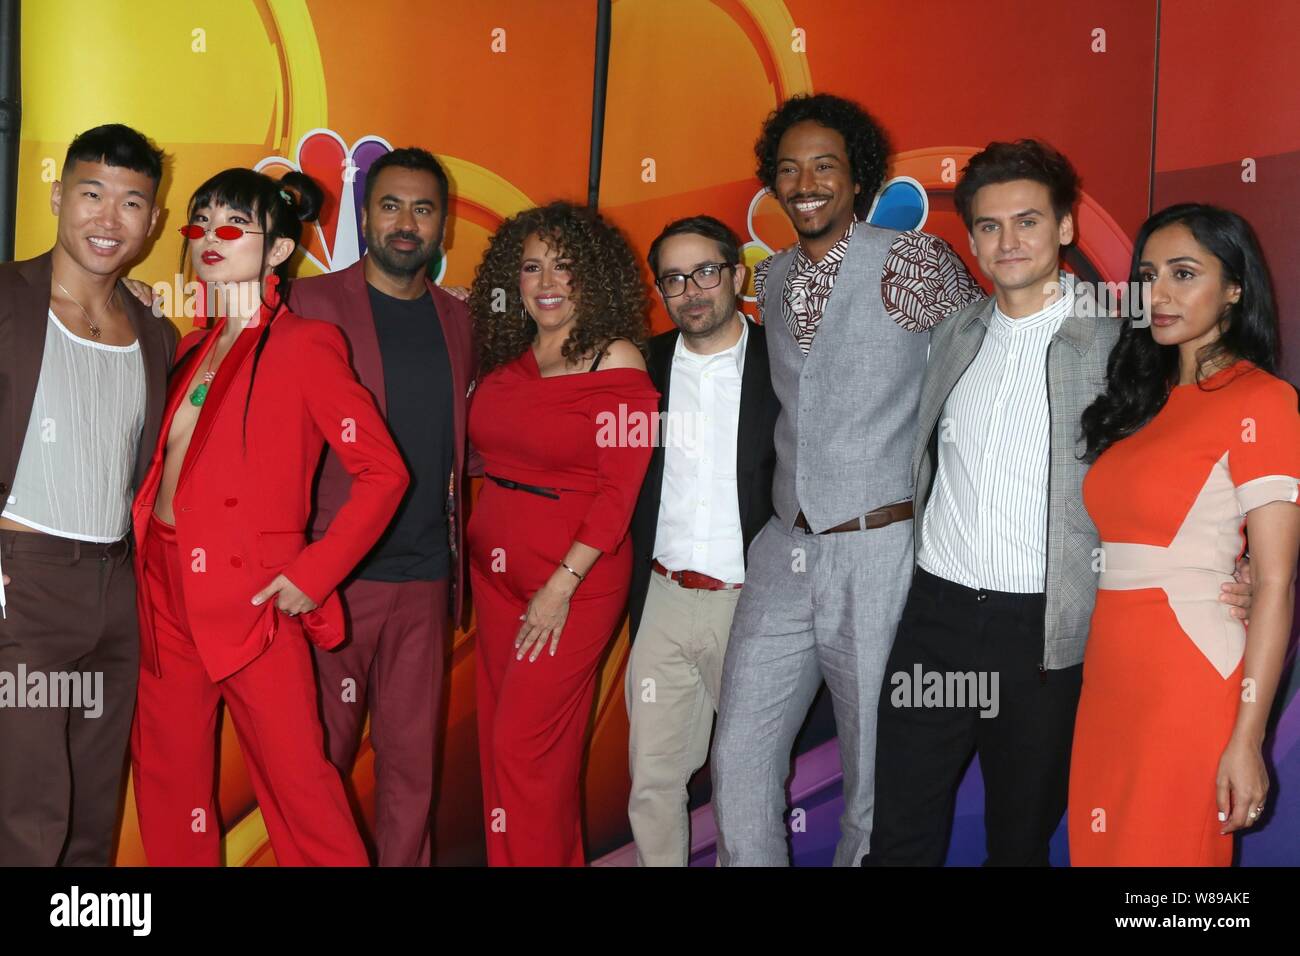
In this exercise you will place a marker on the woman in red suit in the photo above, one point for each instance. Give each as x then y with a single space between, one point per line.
561 418
228 586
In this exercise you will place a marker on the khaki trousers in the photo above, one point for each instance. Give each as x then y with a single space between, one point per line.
674 678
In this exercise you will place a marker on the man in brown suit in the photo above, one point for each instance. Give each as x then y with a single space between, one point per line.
410 343
83 374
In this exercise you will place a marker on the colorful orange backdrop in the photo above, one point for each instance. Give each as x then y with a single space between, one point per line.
502 92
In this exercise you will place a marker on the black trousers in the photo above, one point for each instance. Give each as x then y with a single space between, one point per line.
992 640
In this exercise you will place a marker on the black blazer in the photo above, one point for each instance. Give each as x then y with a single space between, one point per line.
755 456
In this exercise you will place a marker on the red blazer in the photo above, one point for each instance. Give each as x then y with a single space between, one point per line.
244 493
342 298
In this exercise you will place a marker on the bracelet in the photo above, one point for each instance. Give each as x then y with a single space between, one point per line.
571 571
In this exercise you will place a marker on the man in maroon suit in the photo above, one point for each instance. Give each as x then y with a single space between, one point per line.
410 344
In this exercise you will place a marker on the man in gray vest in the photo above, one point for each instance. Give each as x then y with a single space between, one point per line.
847 313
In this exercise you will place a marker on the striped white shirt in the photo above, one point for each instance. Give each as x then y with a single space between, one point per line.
985 525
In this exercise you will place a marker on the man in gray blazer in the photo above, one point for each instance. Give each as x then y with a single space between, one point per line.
846 315
988 655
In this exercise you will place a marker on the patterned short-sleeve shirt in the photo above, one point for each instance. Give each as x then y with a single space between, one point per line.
922 281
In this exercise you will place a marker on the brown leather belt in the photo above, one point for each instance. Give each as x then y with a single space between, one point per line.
695 580
898 511
53 545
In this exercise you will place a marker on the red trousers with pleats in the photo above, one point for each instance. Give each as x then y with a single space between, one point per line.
273 704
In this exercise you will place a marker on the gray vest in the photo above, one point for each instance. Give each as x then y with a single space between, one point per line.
848 417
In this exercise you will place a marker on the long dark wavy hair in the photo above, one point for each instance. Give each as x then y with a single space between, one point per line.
280 207
606 282
1141 372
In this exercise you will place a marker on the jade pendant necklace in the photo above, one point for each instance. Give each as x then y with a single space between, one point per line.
201 390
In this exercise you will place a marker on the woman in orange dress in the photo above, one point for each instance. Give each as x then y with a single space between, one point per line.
1193 442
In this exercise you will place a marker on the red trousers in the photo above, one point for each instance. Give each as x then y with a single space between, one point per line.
392 663
273 704
533 717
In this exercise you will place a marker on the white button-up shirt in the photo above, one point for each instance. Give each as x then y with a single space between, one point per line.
985 525
699 511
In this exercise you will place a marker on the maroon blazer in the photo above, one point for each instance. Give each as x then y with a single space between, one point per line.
24 302
342 298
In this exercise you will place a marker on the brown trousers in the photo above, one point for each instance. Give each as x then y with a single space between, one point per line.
70 621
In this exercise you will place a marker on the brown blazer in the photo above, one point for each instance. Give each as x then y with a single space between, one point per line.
24 303
343 299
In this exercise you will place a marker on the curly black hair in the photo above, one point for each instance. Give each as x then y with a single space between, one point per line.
865 140
607 288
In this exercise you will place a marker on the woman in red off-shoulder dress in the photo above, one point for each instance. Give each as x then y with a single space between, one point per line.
561 419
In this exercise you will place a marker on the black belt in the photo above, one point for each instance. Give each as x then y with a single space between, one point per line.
531 489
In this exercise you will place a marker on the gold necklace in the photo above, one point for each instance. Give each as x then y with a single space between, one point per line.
95 331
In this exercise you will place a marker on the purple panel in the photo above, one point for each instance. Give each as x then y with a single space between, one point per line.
364 154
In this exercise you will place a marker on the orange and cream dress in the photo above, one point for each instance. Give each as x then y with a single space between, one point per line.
1162 674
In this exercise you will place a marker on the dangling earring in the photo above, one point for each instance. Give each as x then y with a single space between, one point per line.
270 296
270 303
202 318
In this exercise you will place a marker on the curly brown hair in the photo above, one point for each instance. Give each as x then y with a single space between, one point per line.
606 283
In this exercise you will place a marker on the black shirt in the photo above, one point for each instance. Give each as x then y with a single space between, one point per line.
417 385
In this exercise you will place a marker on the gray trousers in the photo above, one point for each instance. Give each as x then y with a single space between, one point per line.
814 608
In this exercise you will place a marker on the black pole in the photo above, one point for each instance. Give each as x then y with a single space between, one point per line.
11 113
598 101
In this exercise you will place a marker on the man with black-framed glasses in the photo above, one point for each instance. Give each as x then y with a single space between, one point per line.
707 492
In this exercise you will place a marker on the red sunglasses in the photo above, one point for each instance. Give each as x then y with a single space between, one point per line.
193 231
